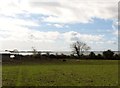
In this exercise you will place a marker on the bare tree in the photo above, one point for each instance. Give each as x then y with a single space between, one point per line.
34 51
79 48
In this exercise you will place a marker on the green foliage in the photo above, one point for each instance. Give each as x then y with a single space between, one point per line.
99 56
108 54
92 55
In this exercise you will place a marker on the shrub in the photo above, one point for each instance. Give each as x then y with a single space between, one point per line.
92 55
108 54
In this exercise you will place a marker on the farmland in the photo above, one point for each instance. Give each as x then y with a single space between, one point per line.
61 73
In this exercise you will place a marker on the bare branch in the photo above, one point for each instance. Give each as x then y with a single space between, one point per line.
79 47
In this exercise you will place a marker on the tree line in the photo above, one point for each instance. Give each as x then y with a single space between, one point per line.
78 49
106 55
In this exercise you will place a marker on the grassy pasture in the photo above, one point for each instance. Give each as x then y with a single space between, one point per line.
59 73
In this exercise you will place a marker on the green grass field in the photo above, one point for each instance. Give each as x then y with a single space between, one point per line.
59 73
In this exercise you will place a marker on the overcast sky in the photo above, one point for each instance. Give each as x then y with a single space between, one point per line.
55 24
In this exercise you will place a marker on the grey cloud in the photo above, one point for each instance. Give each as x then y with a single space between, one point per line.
44 3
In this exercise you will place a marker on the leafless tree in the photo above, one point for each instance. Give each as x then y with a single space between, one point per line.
34 51
79 47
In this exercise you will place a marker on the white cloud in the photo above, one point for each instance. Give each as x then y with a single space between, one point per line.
34 38
116 32
58 12
115 28
74 36
63 11
15 28
57 25
111 42
30 35
5 22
